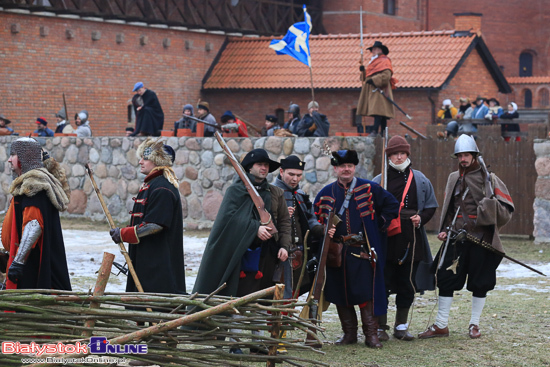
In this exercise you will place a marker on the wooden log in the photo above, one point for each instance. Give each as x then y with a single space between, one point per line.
276 326
99 289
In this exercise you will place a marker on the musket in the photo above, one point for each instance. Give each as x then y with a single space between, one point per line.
204 122
488 187
303 270
450 229
463 235
248 124
393 102
66 111
265 217
319 280
112 224
419 134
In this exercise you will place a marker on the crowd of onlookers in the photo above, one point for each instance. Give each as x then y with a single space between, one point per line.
63 126
480 109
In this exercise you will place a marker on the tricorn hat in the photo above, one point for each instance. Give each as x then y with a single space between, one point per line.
344 156
258 156
381 46
292 162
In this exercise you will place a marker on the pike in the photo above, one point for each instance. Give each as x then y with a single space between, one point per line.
361 45
66 111
392 102
413 130
265 217
384 182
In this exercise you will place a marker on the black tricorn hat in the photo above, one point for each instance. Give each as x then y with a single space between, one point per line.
292 162
381 46
344 156
258 156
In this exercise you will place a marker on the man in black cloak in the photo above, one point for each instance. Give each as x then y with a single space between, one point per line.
149 114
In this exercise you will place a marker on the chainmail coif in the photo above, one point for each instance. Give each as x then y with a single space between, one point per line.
28 152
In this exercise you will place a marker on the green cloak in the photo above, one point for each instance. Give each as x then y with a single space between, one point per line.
235 228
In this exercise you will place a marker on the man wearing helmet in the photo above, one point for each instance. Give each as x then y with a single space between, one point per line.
478 205
293 118
31 231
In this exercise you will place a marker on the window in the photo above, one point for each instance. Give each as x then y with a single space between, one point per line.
526 64
527 98
544 98
280 113
390 7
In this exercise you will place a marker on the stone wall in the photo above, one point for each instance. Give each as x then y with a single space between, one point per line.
541 205
200 166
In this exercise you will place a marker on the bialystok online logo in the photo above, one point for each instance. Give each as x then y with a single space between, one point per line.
98 345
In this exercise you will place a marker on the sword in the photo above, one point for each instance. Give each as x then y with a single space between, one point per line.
450 228
392 101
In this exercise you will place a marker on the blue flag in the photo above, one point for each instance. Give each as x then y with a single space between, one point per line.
296 41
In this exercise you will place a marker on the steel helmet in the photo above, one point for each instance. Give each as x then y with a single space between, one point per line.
294 109
465 144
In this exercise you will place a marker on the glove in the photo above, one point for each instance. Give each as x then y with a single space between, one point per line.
115 235
361 67
15 271
369 81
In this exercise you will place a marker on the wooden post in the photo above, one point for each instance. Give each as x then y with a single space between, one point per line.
99 290
276 326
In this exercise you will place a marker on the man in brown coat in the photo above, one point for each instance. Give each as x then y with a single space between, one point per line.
377 77
474 207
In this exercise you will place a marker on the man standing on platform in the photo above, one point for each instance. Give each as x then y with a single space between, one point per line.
377 77
409 246
366 210
149 114
31 231
155 233
477 204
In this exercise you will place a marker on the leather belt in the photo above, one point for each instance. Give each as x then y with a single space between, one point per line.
469 216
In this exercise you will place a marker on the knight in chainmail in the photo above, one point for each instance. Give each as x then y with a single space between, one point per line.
31 230
478 203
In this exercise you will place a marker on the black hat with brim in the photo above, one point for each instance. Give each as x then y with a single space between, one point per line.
292 162
344 156
259 156
381 46
271 118
4 119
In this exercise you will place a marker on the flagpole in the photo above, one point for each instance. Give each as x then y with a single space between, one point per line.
311 78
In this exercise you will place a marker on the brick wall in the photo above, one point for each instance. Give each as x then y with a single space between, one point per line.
96 75
342 16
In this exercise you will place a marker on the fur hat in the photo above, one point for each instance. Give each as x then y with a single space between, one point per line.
157 152
42 120
344 156
398 144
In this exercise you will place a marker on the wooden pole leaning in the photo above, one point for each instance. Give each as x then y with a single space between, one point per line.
112 225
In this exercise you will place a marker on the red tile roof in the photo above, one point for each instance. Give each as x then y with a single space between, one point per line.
420 60
529 80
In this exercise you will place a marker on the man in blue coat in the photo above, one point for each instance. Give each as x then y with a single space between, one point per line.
366 210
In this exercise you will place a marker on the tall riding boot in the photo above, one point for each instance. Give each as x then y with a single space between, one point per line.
348 319
370 326
401 327
382 327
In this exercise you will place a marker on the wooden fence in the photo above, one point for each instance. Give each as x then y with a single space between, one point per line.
513 162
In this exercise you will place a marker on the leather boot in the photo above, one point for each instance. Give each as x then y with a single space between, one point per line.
348 319
382 327
370 326
401 316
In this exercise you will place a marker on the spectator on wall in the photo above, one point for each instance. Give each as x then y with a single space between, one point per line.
447 111
313 123
129 131
271 124
293 118
465 109
149 114
228 118
4 129
203 112
185 122
83 129
42 127
481 109
495 111
63 124
508 126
